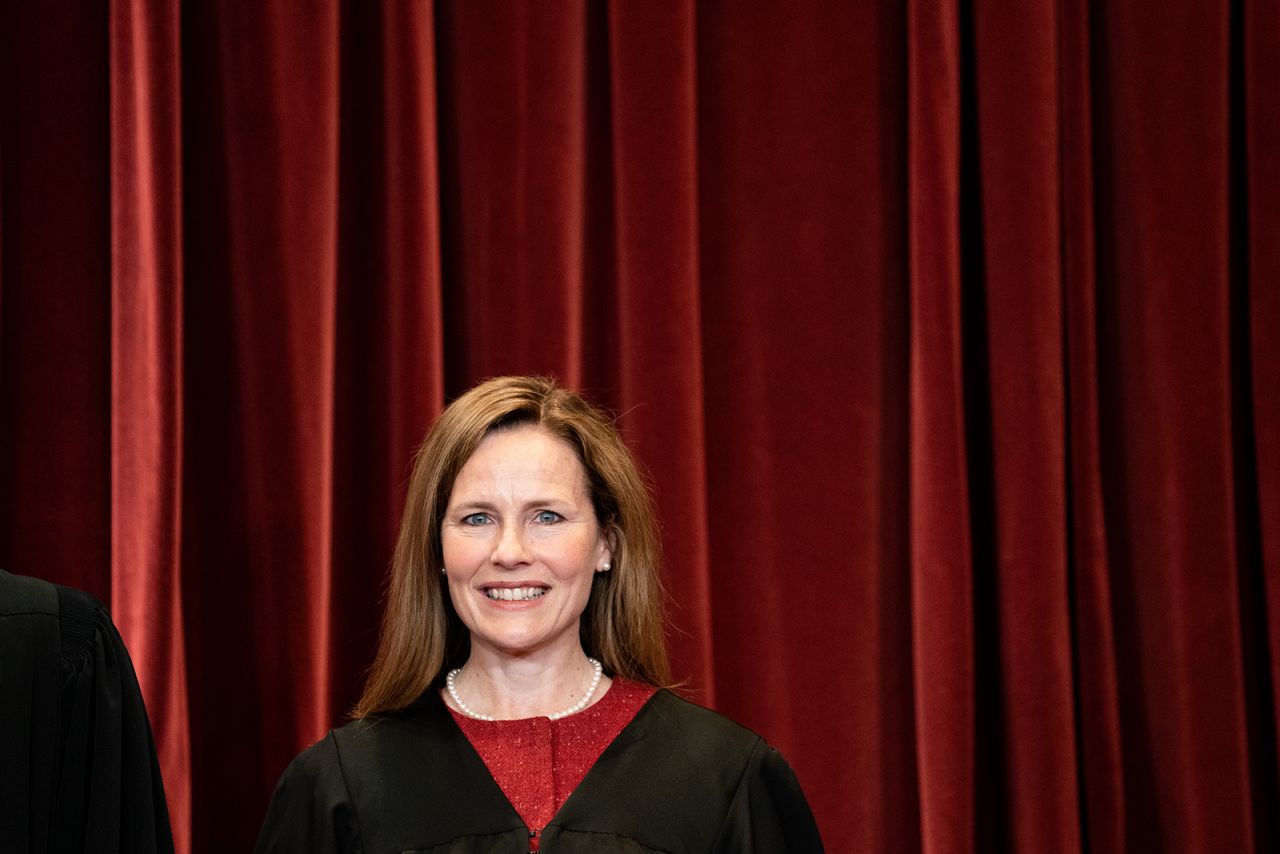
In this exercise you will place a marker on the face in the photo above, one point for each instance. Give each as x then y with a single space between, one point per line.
521 543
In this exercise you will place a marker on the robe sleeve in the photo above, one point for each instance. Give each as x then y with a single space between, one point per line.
110 774
769 813
80 766
311 810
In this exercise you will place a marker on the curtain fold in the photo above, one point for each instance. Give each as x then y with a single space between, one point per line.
944 332
941 557
264 126
389 376
55 339
657 379
146 358
1100 760
513 156
1019 484
1259 181
802 214
1166 408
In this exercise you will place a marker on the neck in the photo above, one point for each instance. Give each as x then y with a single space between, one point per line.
510 687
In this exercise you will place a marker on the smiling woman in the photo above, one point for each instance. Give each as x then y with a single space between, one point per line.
519 701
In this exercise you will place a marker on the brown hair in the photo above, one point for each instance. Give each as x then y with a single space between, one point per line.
422 636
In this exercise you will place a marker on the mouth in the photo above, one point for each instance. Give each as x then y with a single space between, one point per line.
514 594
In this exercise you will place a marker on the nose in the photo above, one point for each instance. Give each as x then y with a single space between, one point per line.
509 550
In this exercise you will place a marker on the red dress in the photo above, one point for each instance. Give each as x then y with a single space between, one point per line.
538 762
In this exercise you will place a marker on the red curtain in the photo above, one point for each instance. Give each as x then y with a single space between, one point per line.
946 331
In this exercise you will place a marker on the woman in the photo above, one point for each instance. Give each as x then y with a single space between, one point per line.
517 700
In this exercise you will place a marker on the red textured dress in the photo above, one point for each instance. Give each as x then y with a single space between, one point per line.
538 762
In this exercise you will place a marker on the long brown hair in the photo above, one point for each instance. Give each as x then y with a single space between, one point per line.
422 636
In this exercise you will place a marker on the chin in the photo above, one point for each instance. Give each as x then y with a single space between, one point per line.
517 644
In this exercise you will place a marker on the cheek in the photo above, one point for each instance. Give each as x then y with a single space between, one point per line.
448 551
459 552
580 561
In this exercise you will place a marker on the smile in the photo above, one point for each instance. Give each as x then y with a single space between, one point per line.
514 594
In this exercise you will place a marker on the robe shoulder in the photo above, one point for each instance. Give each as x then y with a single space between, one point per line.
311 809
679 778
408 781
683 778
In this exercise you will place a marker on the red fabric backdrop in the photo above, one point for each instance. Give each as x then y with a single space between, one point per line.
946 330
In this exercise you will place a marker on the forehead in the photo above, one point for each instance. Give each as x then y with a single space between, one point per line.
523 457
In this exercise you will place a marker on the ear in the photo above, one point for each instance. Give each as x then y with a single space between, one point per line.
608 548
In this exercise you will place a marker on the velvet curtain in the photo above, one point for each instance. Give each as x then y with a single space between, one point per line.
946 331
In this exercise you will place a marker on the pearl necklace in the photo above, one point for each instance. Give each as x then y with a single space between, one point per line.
451 683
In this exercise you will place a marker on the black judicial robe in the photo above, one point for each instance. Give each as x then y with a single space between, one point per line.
679 778
78 768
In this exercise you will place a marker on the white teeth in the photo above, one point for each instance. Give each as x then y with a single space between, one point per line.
515 594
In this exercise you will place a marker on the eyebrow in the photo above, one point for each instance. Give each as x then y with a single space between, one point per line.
488 505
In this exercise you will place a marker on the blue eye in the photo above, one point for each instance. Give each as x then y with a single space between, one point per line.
475 519
547 517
